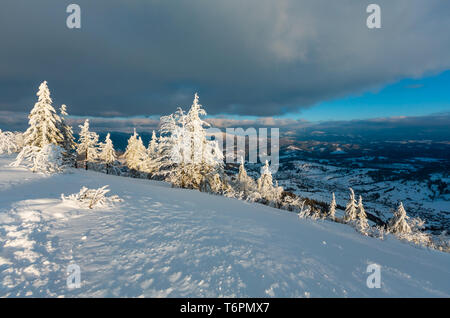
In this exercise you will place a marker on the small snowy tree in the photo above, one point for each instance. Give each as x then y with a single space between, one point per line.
136 153
187 157
202 157
350 209
361 224
265 182
195 133
69 140
152 146
265 186
151 164
88 143
332 210
92 198
170 138
44 122
9 142
408 230
398 223
107 154
68 143
48 159
305 210
245 183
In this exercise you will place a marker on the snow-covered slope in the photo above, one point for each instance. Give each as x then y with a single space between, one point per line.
173 242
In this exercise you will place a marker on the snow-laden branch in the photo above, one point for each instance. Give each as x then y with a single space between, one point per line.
92 198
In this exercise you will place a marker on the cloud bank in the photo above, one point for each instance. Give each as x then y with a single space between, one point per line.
254 57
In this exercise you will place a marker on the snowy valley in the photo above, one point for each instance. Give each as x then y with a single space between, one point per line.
422 184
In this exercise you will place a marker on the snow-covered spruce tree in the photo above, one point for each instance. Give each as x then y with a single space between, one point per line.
361 223
204 158
87 144
48 159
196 135
398 223
408 230
9 142
152 164
245 184
417 235
152 149
270 193
68 143
69 140
44 122
136 154
332 210
107 154
350 209
169 143
212 171
187 158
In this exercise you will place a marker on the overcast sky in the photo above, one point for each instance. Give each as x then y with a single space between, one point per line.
251 57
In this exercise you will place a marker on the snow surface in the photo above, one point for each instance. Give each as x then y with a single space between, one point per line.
165 242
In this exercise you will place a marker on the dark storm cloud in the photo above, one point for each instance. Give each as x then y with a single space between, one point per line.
253 57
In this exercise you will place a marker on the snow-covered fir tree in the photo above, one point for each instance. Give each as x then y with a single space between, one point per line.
398 223
152 160
332 209
170 139
361 223
107 154
136 154
266 188
152 149
188 158
265 182
195 133
68 143
204 158
245 183
87 144
350 209
409 229
43 122
10 142
48 159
